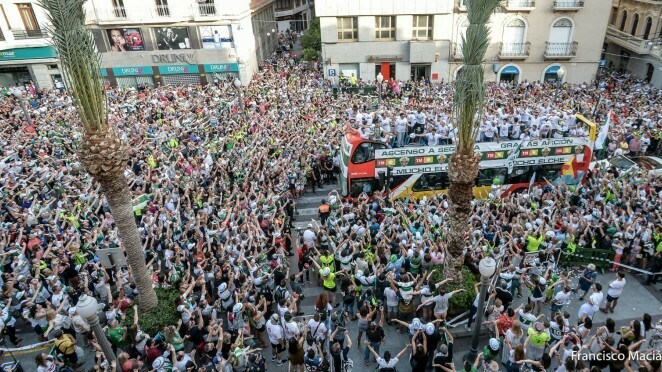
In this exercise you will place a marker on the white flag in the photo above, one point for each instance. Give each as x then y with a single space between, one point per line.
602 136
510 160
533 179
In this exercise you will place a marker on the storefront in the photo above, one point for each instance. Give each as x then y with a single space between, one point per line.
221 71
551 74
132 77
509 74
22 65
180 74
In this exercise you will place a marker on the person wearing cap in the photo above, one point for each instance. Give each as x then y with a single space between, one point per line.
537 286
167 361
538 338
276 338
329 278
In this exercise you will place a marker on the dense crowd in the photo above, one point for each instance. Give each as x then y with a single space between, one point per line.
216 189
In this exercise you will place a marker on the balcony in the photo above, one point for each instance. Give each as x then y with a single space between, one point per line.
29 34
140 15
207 9
568 5
520 5
163 11
119 12
514 50
457 52
285 12
625 40
560 50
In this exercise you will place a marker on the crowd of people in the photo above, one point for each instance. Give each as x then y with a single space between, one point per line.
217 188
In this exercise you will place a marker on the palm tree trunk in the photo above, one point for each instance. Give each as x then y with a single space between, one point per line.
118 196
462 172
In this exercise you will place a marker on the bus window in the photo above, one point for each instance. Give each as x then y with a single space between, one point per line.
549 172
486 176
367 185
365 152
398 180
431 181
520 175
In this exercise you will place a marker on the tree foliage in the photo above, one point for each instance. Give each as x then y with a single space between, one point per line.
164 314
309 54
460 302
312 39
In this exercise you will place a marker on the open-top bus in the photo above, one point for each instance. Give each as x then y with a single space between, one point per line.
418 171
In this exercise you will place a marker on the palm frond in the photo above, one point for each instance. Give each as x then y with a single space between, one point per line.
79 59
469 86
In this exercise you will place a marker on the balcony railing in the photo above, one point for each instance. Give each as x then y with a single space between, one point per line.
520 4
514 50
207 9
457 51
568 4
119 12
163 11
560 50
635 44
29 34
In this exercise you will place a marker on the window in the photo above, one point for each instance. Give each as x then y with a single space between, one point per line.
366 152
614 16
348 28
431 181
385 28
624 18
162 8
28 17
422 27
2 8
647 28
635 24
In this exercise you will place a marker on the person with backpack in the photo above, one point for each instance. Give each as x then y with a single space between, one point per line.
387 363
339 351
66 344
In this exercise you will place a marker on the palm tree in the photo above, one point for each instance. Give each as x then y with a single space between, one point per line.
469 96
102 153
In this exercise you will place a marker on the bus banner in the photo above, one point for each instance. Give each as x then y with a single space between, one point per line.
493 154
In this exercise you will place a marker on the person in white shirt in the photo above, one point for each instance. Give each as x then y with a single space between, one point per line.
387 361
587 310
290 327
317 328
490 132
504 130
534 132
401 130
615 289
276 338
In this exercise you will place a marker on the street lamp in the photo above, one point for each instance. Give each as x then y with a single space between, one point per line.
88 307
559 80
487 267
380 79
24 104
237 84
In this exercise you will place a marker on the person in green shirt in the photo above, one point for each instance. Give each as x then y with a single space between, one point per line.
117 335
533 242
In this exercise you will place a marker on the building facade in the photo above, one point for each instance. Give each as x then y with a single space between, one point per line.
25 52
634 39
178 42
294 14
401 39
422 39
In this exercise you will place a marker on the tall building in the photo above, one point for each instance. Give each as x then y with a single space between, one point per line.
294 14
422 39
634 39
179 42
25 51
402 39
